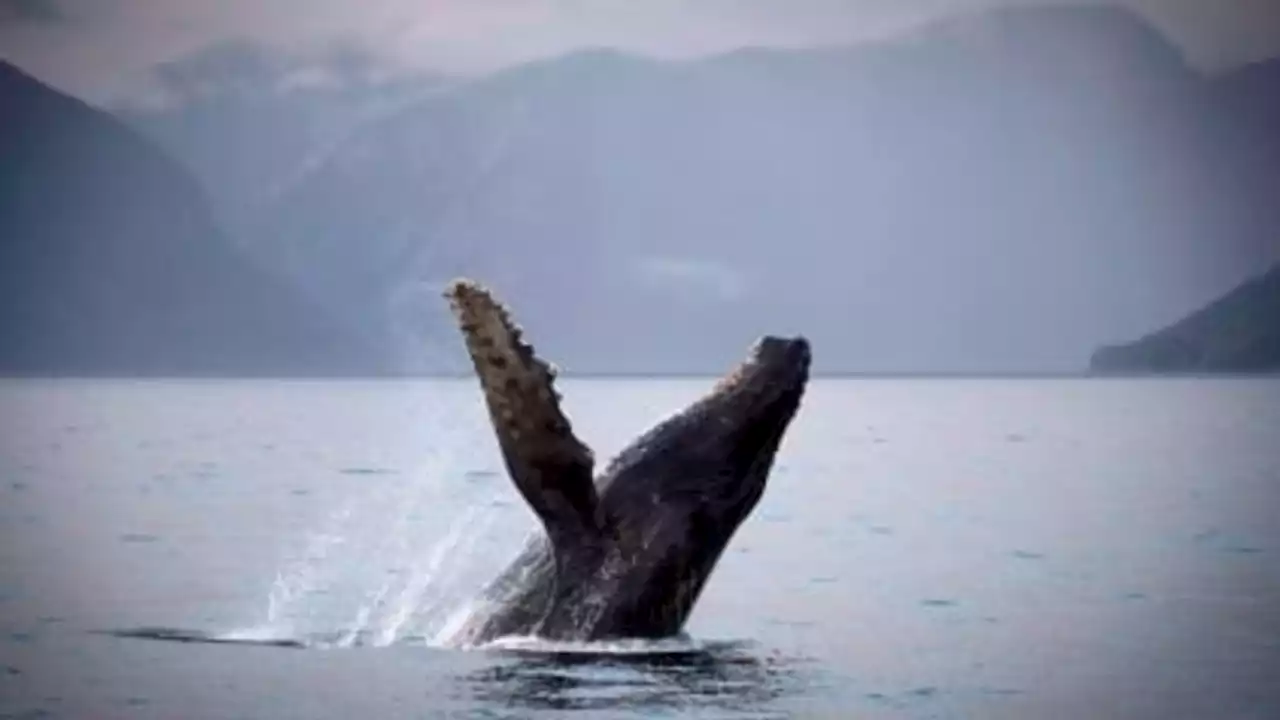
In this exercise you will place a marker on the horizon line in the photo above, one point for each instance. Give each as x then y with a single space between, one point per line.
839 375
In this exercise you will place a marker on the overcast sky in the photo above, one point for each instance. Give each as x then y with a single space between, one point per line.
90 46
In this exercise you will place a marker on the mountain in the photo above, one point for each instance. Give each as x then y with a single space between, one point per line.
112 264
246 121
1250 98
1252 95
990 194
1239 332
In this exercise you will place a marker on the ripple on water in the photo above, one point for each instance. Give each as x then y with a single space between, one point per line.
139 538
1225 543
924 692
179 635
653 677
1000 692
366 471
904 699
1243 550
1027 555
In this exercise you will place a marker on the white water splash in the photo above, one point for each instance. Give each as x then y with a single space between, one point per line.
378 573
425 597
295 581
679 644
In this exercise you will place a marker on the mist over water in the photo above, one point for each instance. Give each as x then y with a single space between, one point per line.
925 548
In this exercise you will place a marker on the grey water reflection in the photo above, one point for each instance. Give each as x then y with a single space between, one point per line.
728 678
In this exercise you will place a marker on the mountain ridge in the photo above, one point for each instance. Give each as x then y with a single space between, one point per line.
997 193
685 190
1236 333
113 265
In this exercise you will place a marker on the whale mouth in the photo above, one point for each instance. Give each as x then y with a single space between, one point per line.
775 368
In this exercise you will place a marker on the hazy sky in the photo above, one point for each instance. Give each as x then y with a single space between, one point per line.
89 46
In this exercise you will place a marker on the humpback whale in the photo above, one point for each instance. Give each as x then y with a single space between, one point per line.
627 554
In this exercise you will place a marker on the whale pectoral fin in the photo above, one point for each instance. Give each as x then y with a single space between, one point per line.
551 468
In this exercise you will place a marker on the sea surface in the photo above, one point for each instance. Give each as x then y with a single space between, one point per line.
924 549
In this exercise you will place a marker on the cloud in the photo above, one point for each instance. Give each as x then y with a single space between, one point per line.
222 66
1217 33
31 11
95 43
717 279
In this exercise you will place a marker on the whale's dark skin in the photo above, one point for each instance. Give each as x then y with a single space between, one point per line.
627 554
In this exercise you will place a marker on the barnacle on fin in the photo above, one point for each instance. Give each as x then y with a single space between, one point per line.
551 467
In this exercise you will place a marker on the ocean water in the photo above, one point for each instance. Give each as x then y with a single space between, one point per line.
924 549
